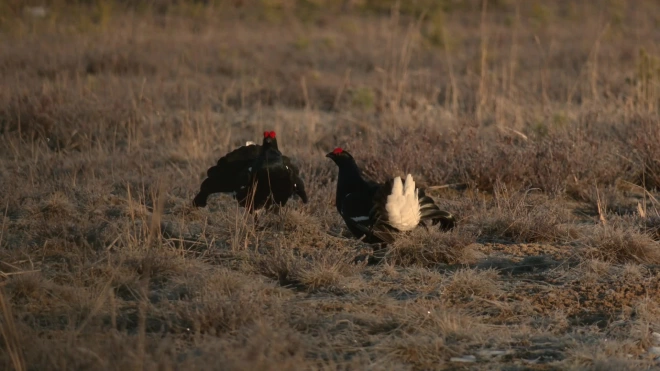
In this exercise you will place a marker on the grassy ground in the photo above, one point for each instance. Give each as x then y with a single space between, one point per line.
542 115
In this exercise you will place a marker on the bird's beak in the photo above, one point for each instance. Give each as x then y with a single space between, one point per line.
329 155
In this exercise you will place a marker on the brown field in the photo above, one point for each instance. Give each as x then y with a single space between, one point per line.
540 116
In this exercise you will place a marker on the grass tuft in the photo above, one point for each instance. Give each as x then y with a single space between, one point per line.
617 245
429 248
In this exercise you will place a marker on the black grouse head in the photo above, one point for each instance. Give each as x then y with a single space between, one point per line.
269 140
340 157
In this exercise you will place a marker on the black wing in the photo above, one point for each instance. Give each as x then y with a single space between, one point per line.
362 214
298 184
229 174
355 208
235 161
382 228
378 211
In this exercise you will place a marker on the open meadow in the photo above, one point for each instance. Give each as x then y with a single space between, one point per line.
539 120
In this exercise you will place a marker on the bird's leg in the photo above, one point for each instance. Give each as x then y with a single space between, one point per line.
282 213
279 213
250 204
379 253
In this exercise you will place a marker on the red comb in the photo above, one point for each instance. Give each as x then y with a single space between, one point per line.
272 134
337 151
266 134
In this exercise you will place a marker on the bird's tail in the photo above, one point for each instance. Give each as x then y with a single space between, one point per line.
402 206
430 211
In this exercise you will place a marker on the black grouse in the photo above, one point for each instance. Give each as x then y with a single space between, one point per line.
258 176
379 211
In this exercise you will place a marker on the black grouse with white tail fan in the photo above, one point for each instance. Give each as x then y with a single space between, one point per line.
379 211
258 176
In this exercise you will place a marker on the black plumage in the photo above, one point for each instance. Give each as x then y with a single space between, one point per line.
362 203
257 176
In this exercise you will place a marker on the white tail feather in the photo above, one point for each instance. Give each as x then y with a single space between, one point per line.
403 204
249 143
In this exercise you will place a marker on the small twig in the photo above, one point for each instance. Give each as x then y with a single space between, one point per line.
645 191
4 274
4 220
601 214
112 244
303 85
10 335
12 265
517 132
641 210
445 186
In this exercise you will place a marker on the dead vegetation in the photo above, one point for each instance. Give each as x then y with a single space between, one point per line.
543 143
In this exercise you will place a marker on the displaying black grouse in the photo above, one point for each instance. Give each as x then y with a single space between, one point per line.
379 211
258 176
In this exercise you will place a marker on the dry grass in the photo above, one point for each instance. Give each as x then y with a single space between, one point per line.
543 116
429 248
618 245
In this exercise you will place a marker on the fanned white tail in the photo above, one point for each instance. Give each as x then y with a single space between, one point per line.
402 206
